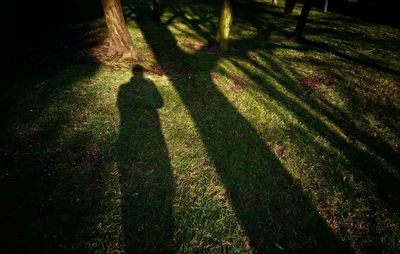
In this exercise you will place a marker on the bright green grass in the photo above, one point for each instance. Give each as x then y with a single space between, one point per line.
273 146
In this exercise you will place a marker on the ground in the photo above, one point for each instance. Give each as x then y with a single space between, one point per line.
272 146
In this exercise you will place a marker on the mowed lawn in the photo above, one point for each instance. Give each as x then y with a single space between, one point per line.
273 146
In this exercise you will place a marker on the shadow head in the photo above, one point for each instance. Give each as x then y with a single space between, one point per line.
137 69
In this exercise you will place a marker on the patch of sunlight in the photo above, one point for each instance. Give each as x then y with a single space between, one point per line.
244 32
70 96
189 13
189 42
180 29
201 208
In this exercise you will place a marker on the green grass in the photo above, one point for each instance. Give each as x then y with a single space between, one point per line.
272 147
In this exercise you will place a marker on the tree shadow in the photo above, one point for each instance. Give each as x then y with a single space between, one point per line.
384 182
272 208
364 62
146 179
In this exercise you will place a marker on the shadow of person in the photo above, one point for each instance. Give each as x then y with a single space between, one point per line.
146 180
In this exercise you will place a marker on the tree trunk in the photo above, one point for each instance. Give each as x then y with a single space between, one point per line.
156 9
275 2
289 6
224 24
119 40
302 19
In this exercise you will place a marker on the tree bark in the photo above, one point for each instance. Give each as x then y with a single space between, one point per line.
302 19
224 24
156 10
119 40
289 6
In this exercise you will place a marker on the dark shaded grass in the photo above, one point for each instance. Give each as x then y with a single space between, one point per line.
44 174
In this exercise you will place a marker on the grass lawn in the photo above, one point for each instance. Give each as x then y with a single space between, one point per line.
271 147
